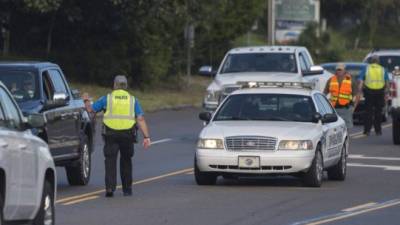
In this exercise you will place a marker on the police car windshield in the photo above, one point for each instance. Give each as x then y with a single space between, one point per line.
260 62
22 85
389 62
267 107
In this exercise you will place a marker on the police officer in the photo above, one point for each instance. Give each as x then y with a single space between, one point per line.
374 83
341 89
122 112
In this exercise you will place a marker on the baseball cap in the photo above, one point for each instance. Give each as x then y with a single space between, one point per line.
340 66
120 79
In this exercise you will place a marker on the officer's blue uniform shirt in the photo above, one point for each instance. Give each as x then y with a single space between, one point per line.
363 73
101 104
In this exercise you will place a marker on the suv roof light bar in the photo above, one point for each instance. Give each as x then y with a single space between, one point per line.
262 84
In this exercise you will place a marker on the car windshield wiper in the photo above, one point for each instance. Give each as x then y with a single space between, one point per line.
277 119
233 118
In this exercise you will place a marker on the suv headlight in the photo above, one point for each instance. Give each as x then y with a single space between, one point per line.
296 145
210 143
212 96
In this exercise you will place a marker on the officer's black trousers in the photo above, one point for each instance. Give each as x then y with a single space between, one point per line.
118 142
374 103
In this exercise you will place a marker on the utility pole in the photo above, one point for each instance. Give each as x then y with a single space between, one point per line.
271 22
189 40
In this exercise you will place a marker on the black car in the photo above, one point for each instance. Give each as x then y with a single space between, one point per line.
355 68
40 87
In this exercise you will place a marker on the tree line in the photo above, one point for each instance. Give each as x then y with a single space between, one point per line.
95 39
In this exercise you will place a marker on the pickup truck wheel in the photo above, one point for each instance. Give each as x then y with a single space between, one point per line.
313 177
338 172
45 215
204 178
396 130
79 174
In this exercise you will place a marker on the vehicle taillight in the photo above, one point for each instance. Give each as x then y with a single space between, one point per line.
393 89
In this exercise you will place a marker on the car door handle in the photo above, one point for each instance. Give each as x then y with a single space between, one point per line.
3 144
65 115
22 147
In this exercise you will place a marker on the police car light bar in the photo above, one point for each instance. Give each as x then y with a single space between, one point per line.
261 84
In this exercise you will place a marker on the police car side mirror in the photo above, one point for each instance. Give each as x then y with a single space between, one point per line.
205 116
329 118
207 71
316 117
313 70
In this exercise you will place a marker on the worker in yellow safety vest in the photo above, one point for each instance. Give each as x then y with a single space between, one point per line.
341 90
374 83
121 112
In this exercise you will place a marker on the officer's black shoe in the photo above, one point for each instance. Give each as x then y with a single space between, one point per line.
109 194
366 133
127 192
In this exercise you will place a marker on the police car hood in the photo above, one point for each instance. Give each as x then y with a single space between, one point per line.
233 78
277 129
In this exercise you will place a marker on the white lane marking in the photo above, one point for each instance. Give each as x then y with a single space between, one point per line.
344 215
385 167
161 141
351 156
358 207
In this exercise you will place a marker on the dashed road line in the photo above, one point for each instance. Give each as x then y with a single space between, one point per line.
82 200
161 141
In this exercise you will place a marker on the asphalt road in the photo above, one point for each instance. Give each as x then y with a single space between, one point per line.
165 191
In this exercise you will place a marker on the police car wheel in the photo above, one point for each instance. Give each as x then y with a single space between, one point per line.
204 178
313 177
338 172
45 214
79 173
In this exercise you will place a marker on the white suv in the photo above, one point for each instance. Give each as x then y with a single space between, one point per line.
27 172
262 63
274 129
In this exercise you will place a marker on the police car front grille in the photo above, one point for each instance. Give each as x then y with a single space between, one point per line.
243 143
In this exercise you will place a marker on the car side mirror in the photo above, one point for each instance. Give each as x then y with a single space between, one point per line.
205 116
314 70
207 71
76 94
59 100
35 120
329 118
316 117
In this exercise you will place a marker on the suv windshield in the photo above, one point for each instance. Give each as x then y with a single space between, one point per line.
268 107
22 84
389 62
260 62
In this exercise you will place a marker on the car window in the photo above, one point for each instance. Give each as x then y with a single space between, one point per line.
388 61
320 106
2 118
48 88
23 85
303 64
12 116
58 82
327 105
267 107
260 62
306 60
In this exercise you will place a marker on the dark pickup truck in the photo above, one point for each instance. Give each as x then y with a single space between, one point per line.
40 87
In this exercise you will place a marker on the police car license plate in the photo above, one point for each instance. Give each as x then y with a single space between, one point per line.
249 161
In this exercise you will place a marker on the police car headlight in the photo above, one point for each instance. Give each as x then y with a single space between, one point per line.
210 143
296 145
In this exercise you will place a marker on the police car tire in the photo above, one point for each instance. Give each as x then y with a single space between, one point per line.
338 172
396 130
204 178
75 173
47 194
313 177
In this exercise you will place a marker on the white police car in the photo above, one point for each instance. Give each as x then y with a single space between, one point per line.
272 128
